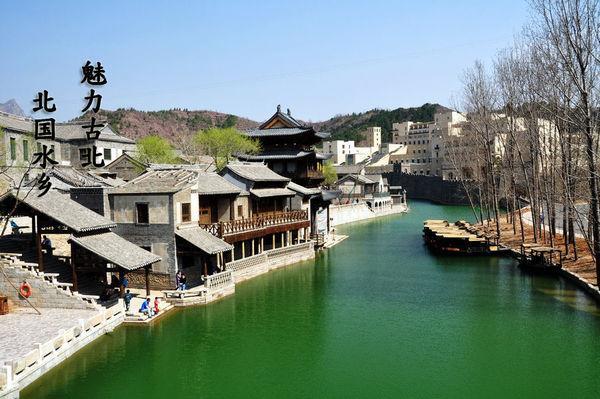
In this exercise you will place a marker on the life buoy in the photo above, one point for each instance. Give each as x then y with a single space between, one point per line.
25 290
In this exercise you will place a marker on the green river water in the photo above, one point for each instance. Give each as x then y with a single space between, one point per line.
375 317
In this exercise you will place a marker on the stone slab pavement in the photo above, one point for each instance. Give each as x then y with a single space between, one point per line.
23 328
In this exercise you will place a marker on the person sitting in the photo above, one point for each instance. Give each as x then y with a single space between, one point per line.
47 245
146 308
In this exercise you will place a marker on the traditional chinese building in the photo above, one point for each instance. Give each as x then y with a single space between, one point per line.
71 146
199 221
288 148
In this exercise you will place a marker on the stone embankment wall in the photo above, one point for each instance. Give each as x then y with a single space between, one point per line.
348 213
44 294
431 188
18 373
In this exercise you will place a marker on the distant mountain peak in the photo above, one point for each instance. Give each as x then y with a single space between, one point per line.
12 107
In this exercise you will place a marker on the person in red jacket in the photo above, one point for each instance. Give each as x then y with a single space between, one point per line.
156 305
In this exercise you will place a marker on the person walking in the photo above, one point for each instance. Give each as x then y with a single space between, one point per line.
127 300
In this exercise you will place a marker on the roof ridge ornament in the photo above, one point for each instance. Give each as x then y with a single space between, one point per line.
289 113
278 107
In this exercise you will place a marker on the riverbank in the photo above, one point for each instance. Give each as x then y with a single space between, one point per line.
580 270
377 315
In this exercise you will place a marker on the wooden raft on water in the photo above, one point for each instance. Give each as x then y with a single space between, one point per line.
459 238
535 257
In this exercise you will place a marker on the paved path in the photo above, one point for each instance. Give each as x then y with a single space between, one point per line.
22 329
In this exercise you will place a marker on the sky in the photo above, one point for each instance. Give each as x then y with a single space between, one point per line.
318 58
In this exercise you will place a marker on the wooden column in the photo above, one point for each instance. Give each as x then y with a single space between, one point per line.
219 260
75 288
33 218
40 255
282 240
147 275
233 254
243 249
262 245
205 268
252 247
273 241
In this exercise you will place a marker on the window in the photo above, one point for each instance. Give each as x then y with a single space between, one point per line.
26 150
141 213
13 149
107 154
240 211
186 212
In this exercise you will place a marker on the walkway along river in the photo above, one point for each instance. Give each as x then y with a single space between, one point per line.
375 316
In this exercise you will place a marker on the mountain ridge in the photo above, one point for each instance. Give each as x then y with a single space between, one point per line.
180 122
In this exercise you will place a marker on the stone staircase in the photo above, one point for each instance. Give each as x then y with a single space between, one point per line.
47 290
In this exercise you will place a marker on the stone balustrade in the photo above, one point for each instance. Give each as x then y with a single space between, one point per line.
284 251
218 280
245 263
18 373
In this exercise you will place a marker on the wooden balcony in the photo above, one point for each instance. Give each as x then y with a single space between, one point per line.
243 229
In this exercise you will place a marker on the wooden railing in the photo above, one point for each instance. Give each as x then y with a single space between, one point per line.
221 229
314 174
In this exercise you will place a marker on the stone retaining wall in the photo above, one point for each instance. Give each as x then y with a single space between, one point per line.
44 294
343 214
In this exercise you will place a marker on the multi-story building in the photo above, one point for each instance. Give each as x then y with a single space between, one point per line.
199 221
340 150
463 152
423 143
288 148
371 138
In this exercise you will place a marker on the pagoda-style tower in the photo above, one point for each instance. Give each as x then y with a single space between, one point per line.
288 148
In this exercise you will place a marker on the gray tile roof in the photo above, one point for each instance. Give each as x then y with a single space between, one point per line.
158 181
117 250
374 178
64 210
16 123
349 169
284 131
173 180
202 239
212 183
358 178
75 131
202 167
279 154
286 118
271 192
303 190
255 172
64 131
75 178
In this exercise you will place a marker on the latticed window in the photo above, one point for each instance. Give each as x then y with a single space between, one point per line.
186 212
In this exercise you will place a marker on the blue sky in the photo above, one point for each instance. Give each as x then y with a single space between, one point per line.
318 58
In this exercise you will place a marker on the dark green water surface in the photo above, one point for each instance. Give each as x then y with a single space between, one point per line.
375 317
